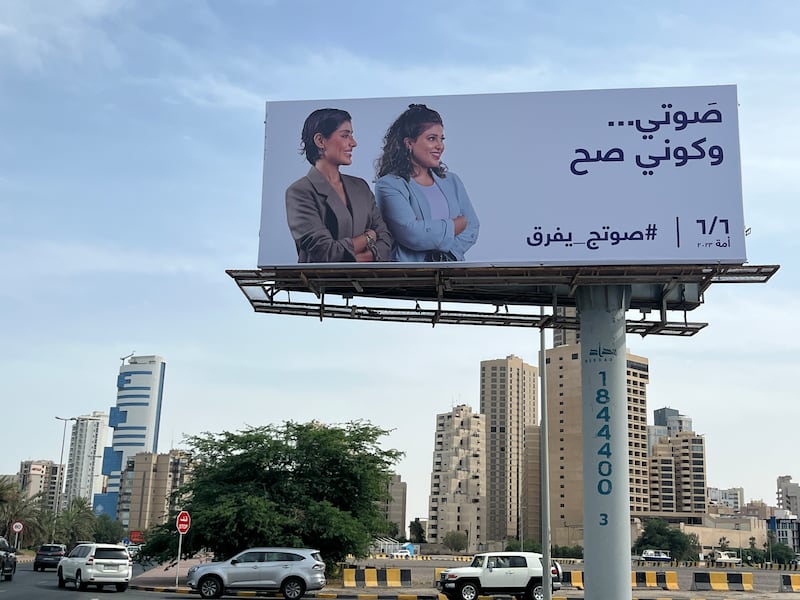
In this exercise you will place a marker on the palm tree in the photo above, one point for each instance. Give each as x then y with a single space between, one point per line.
76 522
16 506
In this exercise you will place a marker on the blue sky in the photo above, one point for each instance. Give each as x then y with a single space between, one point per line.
131 141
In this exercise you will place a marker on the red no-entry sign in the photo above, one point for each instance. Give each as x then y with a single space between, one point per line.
183 522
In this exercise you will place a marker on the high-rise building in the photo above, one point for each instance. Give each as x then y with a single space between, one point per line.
788 494
148 482
88 439
509 403
678 475
42 478
135 420
394 508
672 420
565 440
457 502
566 337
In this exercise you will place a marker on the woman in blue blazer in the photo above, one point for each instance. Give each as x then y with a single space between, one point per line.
425 206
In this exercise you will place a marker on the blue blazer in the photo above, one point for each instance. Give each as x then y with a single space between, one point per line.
407 214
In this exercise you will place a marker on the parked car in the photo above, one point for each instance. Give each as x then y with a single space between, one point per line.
292 571
98 565
8 560
402 553
49 555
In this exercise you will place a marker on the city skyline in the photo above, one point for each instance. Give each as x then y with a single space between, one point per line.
131 176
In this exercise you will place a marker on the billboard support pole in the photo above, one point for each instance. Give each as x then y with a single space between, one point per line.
606 489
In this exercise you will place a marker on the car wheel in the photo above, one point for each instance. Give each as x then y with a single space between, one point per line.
61 582
80 584
210 587
10 576
536 592
468 591
121 587
293 588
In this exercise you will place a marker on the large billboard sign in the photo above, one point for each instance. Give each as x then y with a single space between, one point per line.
601 177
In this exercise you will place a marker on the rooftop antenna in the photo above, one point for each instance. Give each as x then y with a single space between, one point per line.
124 358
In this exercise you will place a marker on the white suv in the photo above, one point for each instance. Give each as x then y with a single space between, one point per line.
96 564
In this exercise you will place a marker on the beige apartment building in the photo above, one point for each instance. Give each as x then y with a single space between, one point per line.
45 479
509 403
457 501
565 440
147 485
678 475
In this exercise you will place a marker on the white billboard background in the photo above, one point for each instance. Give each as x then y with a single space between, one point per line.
626 176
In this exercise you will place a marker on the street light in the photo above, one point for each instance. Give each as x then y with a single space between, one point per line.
60 485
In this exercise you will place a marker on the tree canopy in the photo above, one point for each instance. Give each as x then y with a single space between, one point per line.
658 535
310 484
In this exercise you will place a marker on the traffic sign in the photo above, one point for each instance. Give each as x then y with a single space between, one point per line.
183 522
17 527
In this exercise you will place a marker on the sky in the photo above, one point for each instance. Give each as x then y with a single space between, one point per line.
131 149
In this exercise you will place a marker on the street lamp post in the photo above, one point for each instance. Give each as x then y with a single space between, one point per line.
62 475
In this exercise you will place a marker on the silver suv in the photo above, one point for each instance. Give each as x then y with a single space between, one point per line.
293 571
96 564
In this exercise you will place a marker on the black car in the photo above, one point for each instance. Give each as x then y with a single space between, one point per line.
48 555
8 560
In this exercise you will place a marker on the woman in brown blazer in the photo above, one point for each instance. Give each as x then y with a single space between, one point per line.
333 217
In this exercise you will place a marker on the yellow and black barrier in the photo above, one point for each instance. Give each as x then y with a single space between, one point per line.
573 578
790 583
665 580
376 577
704 581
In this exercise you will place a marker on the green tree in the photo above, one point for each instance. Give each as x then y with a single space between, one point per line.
416 532
296 485
16 506
723 544
107 530
76 523
782 554
658 535
455 541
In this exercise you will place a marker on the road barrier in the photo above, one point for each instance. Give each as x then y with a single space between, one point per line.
790 583
376 577
665 580
703 581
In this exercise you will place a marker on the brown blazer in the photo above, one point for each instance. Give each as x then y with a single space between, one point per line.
321 225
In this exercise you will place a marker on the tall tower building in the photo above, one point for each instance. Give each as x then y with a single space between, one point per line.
394 509
135 421
566 337
509 404
88 439
565 440
457 502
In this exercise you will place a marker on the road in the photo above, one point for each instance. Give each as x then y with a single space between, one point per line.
35 585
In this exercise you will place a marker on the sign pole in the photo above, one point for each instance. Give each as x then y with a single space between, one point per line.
178 565
606 489
182 523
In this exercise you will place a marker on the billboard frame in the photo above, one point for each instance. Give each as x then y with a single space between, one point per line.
499 296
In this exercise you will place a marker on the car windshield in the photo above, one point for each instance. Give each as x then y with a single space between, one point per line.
477 561
50 548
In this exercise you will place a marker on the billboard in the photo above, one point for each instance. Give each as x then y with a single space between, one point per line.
642 176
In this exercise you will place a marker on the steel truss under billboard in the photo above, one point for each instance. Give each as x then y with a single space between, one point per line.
500 296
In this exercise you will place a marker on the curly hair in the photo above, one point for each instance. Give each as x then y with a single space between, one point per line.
324 121
395 158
